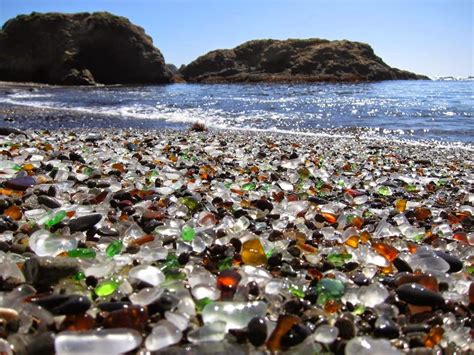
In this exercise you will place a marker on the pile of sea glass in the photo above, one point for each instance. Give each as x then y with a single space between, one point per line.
224 242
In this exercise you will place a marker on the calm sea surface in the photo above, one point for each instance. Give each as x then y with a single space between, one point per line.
439 110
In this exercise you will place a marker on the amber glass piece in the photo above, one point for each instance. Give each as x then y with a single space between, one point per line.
386 269
355 193
364 237
78 322
462 215
315 273
245 203
253 253
307 248
28 167
426 280
401 205
422 213
70 214
10 192
227 282
352 241
149 214
292 197
412 309
387 251
412 247
434 336
284 324
119 167
329 217
332 306
99 198
461 236
135 317
356 222
143 240
14 212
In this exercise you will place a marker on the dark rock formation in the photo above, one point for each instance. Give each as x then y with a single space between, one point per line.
293 60
79 49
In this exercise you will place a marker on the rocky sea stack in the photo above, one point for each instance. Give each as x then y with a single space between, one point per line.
79 49
293 60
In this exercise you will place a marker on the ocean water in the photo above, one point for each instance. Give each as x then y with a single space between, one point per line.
417 110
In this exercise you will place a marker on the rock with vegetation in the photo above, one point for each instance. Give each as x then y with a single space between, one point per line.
79 49
293 60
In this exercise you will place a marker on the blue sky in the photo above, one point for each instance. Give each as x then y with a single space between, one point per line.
433 37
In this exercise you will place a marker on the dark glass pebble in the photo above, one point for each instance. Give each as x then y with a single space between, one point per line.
297 334
263 205
257 331
402 265
112 306
20 183
389 330
73 156
105 231
346 328
47 201
455 264
360 279
418 295
83 223
133 316
64 304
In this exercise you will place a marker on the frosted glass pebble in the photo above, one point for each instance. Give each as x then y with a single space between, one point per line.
147 273
326 334
208 333
179 320
146 296
372 295
107 341
370 346
163 335
236 314
44 243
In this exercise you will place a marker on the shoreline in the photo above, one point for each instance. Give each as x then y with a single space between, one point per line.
12 114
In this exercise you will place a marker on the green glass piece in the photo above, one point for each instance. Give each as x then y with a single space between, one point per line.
341 183
359 309
114 248
304 173
224 264
338 259
106 288
83 253
88 171
78 276
16 167
200 304
319 184
296 292
174 275
419 237
227 185
329 289
57 218
190 203
410 188
470 270
188 233
171 263
249 186
384 191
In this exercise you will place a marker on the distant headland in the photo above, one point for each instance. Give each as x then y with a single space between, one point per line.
101 48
